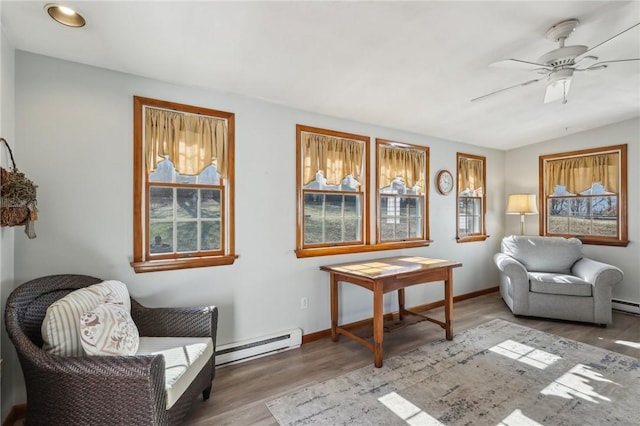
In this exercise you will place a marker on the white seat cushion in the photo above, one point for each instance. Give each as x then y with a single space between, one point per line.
184 357
569 285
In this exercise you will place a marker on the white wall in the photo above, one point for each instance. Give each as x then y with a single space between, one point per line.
521 172
75 123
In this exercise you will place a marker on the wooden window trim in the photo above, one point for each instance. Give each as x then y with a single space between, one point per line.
409 242
467 238
621 240
142 262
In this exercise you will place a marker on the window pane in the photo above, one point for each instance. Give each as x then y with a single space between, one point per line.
333 205
164 172
402 228
209 176
187 236
331 218
333 230
313 206
400 217
312 230
351 218
352 229
597 216
160 203
187 203
210 203
469 215
210 238
160 237
415 227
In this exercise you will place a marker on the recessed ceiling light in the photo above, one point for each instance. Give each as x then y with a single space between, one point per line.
65 15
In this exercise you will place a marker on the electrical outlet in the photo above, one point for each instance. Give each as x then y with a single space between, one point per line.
304 303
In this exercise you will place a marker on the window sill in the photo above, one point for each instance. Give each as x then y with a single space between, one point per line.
595 241
173 264
328 251
471 238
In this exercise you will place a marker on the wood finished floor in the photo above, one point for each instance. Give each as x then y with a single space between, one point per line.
240 391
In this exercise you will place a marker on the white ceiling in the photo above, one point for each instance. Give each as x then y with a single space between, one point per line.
406 65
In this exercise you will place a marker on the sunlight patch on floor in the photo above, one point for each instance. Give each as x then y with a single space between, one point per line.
635 345
517 418
525 354
575 383
407 411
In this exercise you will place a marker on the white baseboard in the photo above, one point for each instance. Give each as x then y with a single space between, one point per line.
236 352
626 306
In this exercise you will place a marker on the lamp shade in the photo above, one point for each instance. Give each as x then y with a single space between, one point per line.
522 204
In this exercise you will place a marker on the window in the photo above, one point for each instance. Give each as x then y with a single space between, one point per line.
585 195
471 198
333 194
183 186
402 192
332 191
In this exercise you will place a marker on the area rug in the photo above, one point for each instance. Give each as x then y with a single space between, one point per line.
498 373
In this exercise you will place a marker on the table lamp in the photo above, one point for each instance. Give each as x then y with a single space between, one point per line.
522 204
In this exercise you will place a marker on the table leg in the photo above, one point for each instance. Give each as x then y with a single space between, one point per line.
448 304
401 304
378 324
334 308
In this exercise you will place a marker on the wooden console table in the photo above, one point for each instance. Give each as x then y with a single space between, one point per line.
383 276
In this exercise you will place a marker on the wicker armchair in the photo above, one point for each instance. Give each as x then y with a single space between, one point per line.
122 390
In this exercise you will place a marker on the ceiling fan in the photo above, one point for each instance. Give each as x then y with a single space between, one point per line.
558 66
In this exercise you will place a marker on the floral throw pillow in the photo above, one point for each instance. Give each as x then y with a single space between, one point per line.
108 329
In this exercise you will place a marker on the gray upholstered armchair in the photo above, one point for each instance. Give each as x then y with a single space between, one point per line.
115 390
549 277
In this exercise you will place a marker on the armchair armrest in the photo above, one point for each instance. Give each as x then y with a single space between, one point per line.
514 282
175 322
511 267
598 273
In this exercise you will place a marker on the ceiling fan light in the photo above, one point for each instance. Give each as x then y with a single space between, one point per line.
557 90
65 15
560 75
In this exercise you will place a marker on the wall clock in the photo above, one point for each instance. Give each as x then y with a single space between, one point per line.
444 182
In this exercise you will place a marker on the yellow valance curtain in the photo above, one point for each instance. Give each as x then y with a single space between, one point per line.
192 142
470 175
406 163
578 174
335 157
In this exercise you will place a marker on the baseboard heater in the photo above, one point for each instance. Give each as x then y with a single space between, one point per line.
626 306
234 353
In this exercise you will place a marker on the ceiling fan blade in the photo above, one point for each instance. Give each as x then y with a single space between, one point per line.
586 60
606 41
526 83
519 64
557 90
603 64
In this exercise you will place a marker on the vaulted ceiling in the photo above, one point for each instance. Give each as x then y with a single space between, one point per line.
413 66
